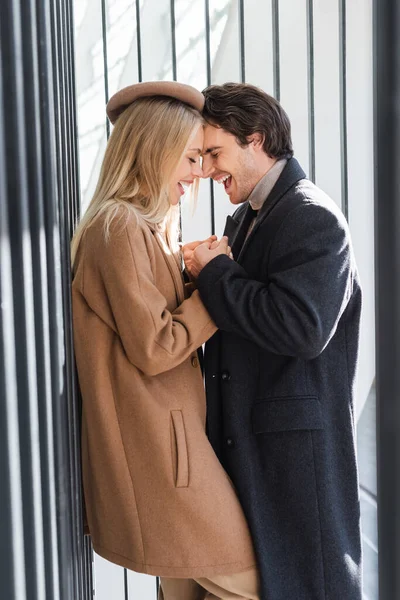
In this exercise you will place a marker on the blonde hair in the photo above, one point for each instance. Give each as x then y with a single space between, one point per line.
142 154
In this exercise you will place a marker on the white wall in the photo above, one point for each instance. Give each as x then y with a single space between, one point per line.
294 94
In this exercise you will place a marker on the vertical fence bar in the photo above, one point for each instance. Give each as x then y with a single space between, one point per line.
12 560
67 540
343 107
387 228
72 114
209 79
83 547
275 31
31 63
242 45
139 40
105 59
67 165
311 94
174 77
173 40
53 136
15 58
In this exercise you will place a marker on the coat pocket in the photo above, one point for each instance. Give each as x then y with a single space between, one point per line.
180 458
287 414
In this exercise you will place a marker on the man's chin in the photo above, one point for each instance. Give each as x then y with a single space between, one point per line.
234 200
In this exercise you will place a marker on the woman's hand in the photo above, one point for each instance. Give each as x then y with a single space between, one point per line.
188 250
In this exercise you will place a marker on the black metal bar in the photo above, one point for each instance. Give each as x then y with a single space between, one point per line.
67 476
173 39
71 547
55 136
67 189
174 77
74 404
31 42
208 40
276 49
126 588
311 91
12 561
343 107
105 58
72 114
89 591
242 43
139 41
209 79
387 244
18 90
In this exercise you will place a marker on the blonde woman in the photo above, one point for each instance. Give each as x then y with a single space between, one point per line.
157 499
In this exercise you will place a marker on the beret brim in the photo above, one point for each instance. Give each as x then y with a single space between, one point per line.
122 99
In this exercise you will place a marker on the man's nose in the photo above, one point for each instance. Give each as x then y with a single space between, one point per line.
208 168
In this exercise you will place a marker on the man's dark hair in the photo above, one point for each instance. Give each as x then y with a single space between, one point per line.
243 109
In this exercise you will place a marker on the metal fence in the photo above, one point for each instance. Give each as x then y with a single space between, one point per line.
43 554
310 58
387 222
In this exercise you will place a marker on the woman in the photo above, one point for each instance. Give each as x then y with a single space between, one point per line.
157 498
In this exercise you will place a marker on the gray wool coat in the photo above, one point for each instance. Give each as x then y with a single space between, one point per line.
280 387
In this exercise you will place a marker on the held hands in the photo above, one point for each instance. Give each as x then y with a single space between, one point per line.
198 254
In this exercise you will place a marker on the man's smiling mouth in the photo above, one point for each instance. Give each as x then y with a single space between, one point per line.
226 180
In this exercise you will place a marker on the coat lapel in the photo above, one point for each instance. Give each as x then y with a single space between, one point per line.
237 230
230 227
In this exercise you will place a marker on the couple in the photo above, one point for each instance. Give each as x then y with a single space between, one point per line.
264 506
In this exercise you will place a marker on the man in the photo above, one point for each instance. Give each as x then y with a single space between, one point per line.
280 372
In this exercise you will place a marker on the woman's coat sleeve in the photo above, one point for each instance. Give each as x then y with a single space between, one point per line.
154 339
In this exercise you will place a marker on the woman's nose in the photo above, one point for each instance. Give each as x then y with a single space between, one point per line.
207 166
197 170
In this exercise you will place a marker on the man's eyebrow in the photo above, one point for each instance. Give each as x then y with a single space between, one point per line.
212 149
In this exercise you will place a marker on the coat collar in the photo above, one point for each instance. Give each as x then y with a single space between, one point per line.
237 226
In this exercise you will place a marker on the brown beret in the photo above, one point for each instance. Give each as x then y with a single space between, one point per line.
122 99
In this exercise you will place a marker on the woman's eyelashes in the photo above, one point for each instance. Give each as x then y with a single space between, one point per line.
198 160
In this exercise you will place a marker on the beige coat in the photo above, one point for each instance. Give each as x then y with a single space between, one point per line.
157 499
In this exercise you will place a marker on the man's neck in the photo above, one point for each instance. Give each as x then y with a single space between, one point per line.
265 185
266 165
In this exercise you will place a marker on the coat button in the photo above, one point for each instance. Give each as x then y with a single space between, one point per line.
230 443
195 362
225 376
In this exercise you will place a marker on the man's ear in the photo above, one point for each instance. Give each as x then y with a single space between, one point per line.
257 140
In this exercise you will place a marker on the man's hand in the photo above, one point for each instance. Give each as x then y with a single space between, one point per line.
188 250
205 252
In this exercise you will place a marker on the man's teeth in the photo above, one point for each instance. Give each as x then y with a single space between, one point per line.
223 179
